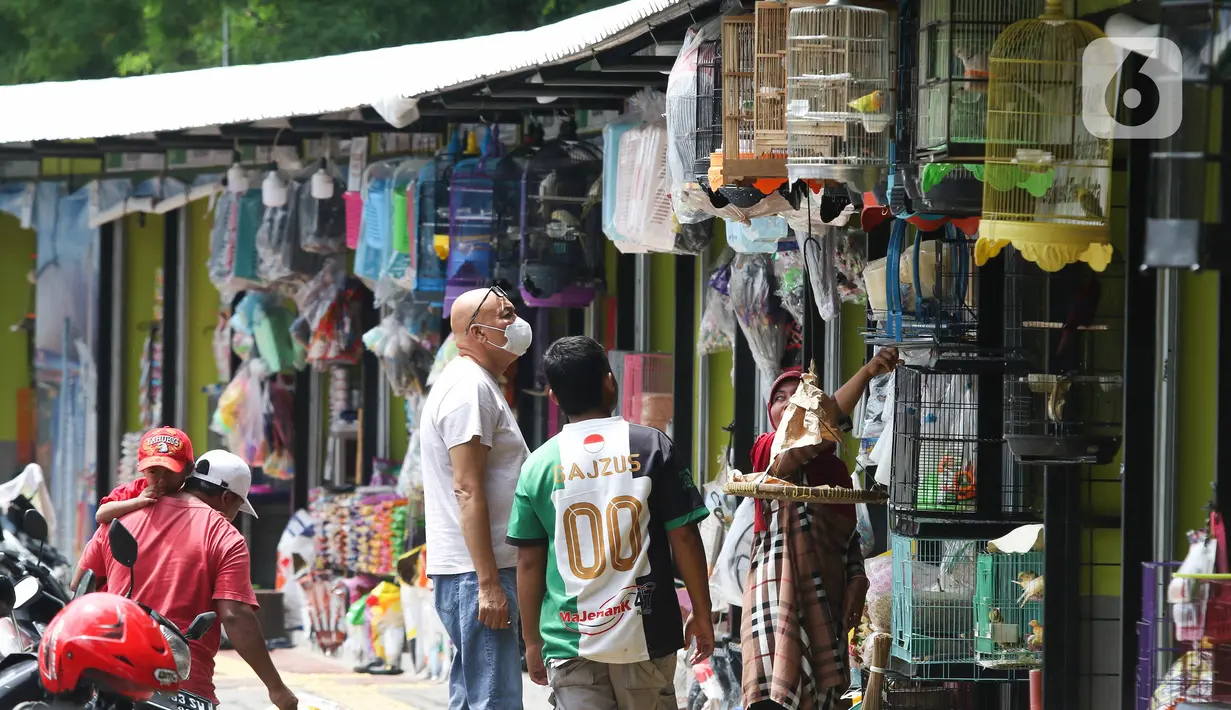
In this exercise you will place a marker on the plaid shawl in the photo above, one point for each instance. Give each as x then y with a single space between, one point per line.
794 640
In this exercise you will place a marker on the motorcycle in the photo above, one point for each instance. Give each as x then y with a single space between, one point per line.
101 651
39 587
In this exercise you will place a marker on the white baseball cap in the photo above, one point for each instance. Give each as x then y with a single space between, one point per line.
228 471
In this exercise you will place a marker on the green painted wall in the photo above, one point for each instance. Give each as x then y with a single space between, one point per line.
17 247
143 256
202 318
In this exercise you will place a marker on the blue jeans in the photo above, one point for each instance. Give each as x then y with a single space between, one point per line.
486 670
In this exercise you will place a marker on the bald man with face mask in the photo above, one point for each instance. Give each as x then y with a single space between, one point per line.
472 452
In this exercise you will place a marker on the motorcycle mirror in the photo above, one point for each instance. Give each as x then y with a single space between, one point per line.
84 587
35 525
25 591
8 596
123 544
123 549
200 625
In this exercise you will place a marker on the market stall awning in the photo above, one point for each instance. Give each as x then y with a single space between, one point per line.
358 91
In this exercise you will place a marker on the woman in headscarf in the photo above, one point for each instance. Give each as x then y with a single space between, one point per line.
806 583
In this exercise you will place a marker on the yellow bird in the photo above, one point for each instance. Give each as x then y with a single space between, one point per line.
1090 204
994 616
1034 641
869 103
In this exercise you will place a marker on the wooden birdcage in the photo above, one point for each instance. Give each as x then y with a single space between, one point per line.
1047 175
839 94
769 76
735 160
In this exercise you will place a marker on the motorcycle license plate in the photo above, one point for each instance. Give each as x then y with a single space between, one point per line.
183 700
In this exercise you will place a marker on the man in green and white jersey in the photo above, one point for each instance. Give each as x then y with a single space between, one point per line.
603 516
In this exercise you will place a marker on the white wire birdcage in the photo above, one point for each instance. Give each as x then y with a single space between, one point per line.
839 93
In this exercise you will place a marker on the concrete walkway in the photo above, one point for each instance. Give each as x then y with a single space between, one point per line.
309 672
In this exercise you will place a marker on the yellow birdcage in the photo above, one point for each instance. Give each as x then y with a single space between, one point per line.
1047 176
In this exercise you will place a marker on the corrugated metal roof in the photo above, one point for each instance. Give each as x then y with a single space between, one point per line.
383 79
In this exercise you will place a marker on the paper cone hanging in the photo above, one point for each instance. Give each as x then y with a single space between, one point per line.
1047 176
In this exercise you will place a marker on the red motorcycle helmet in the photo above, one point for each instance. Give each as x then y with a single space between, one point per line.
108 640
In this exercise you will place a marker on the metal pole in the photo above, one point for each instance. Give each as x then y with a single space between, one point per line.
115 385
832 370
590 329
226 37
701 373
316 421
383 398
641 301
179 406
1165 421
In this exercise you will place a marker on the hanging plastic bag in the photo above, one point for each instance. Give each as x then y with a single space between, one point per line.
762 327
789 282
322 223
757 236
314 298
404 359
276 238
376 232
717 331
850 258
822 273
684 85
221 261
863 519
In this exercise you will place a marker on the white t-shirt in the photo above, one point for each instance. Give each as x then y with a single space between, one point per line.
466 402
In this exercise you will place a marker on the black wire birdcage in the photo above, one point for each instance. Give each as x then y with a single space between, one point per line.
1187 217
1068 327
561 224
903 694
924 292
949 458
946 78
709 107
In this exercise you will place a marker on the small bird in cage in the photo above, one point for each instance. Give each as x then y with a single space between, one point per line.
1056 398
1032 587
869 103
1034 641
1081 313
1089 203
994 616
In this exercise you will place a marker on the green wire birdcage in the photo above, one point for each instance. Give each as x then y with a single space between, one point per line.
1008 611
1047 175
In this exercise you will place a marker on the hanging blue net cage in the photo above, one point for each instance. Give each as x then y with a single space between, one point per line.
431 226
483 195
561 224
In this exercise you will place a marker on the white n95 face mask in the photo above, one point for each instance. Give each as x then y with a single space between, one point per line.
518 336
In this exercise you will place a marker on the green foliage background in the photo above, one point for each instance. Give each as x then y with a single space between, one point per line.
89 39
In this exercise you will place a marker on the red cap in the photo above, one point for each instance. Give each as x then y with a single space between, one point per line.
166 447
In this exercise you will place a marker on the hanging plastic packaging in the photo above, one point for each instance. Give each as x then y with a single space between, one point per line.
222 243
376 232
789 282
681 99
818 251
322 223
405 360
751 276
717 331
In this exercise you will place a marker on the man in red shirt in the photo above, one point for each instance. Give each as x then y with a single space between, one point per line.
193 560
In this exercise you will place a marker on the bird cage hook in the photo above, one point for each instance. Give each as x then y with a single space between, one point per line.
691 16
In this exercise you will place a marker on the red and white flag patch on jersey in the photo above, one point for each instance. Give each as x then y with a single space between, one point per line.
593 443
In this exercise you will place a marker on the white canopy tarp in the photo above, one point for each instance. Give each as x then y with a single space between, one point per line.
389 80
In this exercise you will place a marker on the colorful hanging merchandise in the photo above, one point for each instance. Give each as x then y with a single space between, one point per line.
359 532
1047 176
322 222
759 318
328 322
233 257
